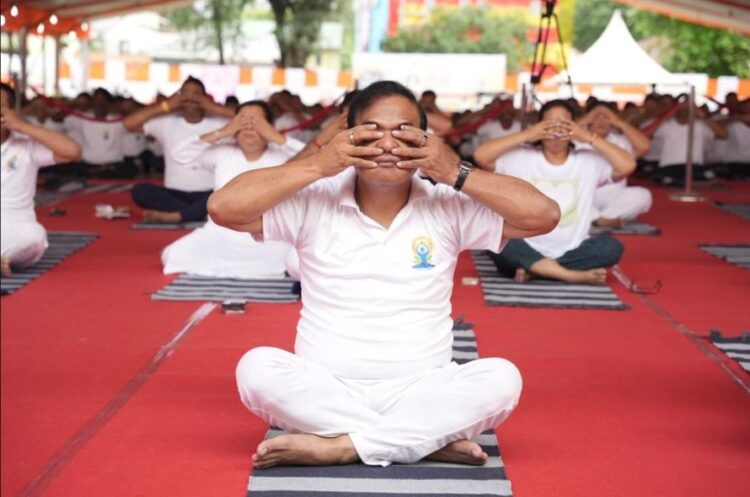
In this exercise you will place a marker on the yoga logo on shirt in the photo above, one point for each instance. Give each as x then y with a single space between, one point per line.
10 165
422 247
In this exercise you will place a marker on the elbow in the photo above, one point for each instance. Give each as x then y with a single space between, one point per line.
75 153
129 125
217 208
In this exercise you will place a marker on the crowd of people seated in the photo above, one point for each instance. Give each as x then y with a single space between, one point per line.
198 145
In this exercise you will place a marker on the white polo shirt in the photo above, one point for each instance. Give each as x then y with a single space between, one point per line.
101 141
376 301
20 160
171 130
674 136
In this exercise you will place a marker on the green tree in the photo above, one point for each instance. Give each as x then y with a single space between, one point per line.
681 46
466 30
214 22
298 25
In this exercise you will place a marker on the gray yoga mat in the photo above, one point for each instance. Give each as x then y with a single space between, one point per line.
203 288
738 255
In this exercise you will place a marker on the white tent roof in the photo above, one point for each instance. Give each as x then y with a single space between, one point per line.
617 59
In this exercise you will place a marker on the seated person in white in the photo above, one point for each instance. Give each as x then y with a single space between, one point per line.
217 251
737 152
673 133
570 177
184 115
371 378
25 148
616 202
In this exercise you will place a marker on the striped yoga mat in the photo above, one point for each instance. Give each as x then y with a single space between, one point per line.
423 479
742 210
61 245
191 287
737 348
630 228
160 226
739 254
502 291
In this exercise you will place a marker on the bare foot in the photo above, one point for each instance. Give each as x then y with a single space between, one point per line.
161 217
5 267
604 222
461 452
305 450
521 275
596 276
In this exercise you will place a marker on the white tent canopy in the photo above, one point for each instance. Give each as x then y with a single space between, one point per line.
617 59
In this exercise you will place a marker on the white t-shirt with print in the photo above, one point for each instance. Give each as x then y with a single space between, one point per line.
101 141
571 184
171 130
674 136
20 160
376 301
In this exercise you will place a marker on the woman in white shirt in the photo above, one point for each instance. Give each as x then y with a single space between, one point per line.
25 148
571 178
220 252
615 201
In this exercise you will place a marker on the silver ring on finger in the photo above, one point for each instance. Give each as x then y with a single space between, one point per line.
351 137
424 140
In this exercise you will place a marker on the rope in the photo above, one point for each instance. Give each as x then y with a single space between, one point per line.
72 112
315 118
661 118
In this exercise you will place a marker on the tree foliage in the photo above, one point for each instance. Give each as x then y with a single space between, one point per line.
298 24
466 30
681 46
213 22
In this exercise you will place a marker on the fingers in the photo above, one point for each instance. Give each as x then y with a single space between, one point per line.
362 133
412 135
355 151
409 152
413 164
367 164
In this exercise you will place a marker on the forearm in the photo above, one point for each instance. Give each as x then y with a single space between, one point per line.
220 110
622 162
135 121
245 199
638 140
64 148
517 201
719 130
488 152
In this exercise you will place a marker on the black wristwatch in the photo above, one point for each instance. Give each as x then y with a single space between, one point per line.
464 168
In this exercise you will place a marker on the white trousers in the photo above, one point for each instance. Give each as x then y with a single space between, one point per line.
394 420
23 242
622 202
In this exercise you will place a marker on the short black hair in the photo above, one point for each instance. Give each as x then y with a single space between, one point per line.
195 81
84 94
429 93
348 99
375 92
231 99
104 92
557 103
11 93
602 103
267 112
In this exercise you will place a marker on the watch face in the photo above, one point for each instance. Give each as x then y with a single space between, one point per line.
466 164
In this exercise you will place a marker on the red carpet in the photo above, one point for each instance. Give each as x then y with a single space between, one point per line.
615 403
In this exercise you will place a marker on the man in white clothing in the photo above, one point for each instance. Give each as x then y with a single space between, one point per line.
172 121
372 378
25 148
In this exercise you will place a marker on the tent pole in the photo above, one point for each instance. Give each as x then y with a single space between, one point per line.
688 195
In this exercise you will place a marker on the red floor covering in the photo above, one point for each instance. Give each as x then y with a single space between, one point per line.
615 403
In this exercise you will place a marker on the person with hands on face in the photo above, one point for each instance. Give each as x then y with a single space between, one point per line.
25 149
616 202
371 377
569 176
182 116
247 142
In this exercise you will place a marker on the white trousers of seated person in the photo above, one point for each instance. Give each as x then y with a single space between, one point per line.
218 252
23 242
617 201
393 420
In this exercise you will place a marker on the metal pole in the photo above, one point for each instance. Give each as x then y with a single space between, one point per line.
524 103
688 195
22 52
57 65
44 64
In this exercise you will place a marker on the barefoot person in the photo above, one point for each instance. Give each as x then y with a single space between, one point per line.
371 378
217 251
570 177
616 202
183 197
25 148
